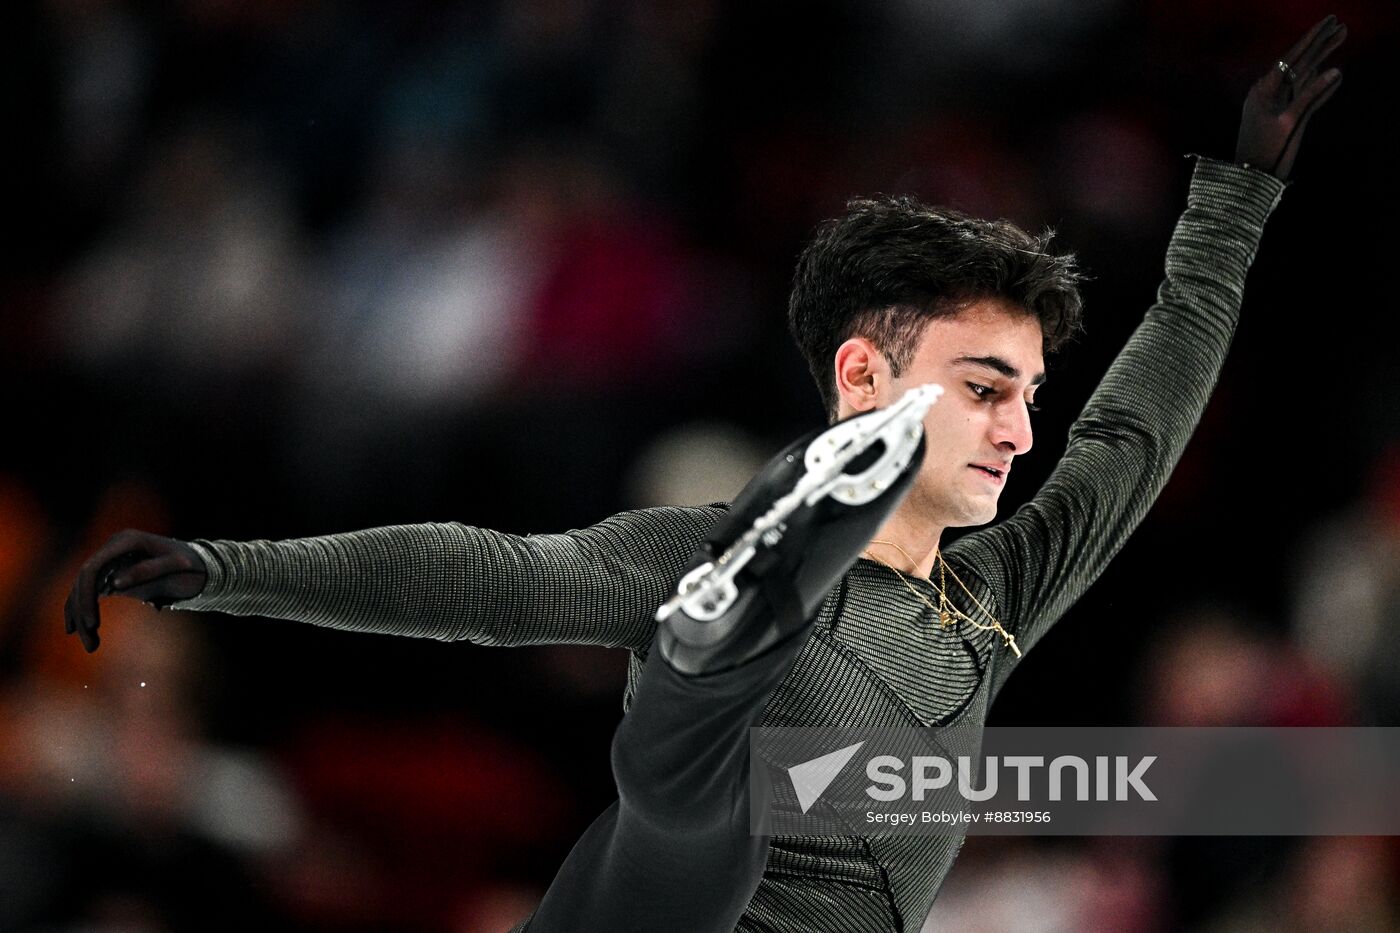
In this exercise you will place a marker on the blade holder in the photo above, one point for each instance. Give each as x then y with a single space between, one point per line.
707 592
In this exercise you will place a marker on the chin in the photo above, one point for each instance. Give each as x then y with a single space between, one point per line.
963 510
978 514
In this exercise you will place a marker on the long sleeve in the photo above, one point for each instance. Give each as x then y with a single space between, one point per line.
595 586
1135 426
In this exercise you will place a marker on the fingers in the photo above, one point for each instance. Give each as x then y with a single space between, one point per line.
69 623
1276 83
1316 94
159 581
146 571
1317 53
75 624
1295 54
80 612
1303 59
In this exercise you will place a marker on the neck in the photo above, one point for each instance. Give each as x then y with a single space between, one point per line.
917 539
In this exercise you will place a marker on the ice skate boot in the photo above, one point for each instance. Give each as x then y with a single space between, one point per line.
762 572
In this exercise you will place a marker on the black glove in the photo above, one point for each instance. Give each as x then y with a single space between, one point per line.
1281 103
148 567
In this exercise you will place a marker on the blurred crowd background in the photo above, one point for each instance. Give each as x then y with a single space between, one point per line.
279 268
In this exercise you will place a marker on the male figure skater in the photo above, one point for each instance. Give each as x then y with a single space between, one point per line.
891 296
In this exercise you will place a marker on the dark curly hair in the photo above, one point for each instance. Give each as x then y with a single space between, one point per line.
892 264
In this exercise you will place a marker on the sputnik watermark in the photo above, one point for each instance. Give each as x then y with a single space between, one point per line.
1076 781
810 778
1113 779
935 773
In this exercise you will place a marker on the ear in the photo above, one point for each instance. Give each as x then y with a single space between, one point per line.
862 374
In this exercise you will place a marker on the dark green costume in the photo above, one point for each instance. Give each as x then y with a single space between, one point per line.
877 657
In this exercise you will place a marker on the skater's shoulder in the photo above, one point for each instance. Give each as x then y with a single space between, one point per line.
665 520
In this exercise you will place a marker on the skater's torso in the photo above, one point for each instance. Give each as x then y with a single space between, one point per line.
878 658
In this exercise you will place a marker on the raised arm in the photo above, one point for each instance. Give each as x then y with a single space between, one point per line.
598 585
1136 424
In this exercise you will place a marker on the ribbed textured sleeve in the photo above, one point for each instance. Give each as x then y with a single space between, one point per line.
594 586
1135 426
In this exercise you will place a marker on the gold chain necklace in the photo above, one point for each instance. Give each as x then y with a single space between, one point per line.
946 610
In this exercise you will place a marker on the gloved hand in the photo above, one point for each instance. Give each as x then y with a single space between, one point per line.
148 567
1281 103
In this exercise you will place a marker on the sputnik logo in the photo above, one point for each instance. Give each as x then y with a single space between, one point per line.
810 778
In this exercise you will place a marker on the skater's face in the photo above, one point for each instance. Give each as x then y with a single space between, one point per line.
989 360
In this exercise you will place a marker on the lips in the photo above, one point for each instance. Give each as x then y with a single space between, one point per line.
993 471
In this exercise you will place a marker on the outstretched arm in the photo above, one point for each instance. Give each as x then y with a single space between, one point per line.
1135 426
598 585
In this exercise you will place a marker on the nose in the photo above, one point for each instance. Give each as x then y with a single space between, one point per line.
1011 430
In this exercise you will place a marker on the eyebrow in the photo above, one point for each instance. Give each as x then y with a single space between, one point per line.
1000 365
